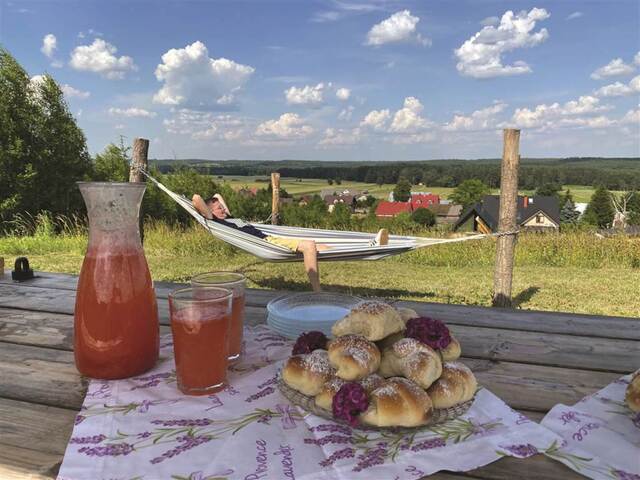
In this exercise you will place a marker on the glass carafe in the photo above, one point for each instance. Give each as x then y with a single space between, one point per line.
116 314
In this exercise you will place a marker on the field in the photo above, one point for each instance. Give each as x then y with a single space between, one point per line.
294 186
572 272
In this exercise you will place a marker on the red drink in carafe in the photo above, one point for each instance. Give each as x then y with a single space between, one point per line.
116 314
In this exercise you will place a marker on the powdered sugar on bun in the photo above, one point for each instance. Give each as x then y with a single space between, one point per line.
412 359
372 319
353 356
457 384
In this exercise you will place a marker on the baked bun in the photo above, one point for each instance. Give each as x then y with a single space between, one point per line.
390 340
452 351
457 384
308 373
412 359
324 399
373 320
398 403
371 382
632 396
353 356
407 313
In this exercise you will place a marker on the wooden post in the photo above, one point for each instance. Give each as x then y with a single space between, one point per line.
503 276
139 160
275 198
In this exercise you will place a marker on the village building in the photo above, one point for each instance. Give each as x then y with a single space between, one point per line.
537 213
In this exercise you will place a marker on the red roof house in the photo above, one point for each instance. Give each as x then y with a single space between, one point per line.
424 200
391 209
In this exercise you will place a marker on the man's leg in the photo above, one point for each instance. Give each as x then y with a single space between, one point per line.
310 254
201 206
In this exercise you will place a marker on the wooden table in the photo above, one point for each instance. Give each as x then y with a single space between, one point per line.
532 360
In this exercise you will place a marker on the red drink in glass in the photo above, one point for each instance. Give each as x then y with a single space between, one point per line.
200 328
236 282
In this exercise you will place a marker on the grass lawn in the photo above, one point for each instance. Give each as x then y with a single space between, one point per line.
573 274
581 193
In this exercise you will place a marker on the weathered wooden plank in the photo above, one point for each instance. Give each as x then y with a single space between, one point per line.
49 377
40 375
38 427
50 330
531 320
26 464
528 320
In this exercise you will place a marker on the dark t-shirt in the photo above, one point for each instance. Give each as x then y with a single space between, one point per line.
250 229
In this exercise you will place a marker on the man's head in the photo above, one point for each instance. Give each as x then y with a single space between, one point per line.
211 201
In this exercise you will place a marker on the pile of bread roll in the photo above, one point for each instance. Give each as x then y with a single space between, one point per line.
404 379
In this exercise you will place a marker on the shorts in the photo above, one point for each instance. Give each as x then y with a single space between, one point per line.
290 243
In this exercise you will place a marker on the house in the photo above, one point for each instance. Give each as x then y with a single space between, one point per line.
349 200
446 213
391 209
535 213
339 192
423 200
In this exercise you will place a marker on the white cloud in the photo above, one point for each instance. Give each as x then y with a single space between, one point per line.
636 58
339 137
376 119
408 119
619 89
71 92
119 126
343 94
67 90
399 27
307 95
49 45
193 79
548 116
131 112
482 119
632 116
481 55
342 10
288 126
614 68
346 113
424 137
489 21
100 57
574 15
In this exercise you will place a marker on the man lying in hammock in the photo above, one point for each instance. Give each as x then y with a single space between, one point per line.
215 208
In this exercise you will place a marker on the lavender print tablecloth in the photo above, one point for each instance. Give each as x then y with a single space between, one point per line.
600 434
143 428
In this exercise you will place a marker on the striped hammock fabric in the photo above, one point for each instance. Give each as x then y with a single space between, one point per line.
342 245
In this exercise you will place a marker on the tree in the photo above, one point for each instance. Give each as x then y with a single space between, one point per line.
469 192
599 211
402 191
424 217
330 181
568 213
633 206
113 164
42 150
548 190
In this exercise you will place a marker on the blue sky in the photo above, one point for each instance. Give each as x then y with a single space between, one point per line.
340 80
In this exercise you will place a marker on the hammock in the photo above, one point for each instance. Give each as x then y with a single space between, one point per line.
342 245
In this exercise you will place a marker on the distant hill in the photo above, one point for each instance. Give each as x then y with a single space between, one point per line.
614 173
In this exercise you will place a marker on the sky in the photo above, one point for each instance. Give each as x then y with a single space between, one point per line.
340 80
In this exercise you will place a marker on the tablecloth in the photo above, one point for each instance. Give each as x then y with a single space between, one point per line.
600 434
143 428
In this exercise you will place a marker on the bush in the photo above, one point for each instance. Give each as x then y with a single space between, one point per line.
424 217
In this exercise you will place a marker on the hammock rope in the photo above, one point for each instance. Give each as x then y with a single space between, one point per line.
342 245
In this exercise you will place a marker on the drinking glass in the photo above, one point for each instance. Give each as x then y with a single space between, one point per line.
236 282
200 325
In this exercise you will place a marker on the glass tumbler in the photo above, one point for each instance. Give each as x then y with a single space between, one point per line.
200 321
236 282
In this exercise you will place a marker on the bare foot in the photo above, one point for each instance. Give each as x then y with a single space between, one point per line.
200 205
